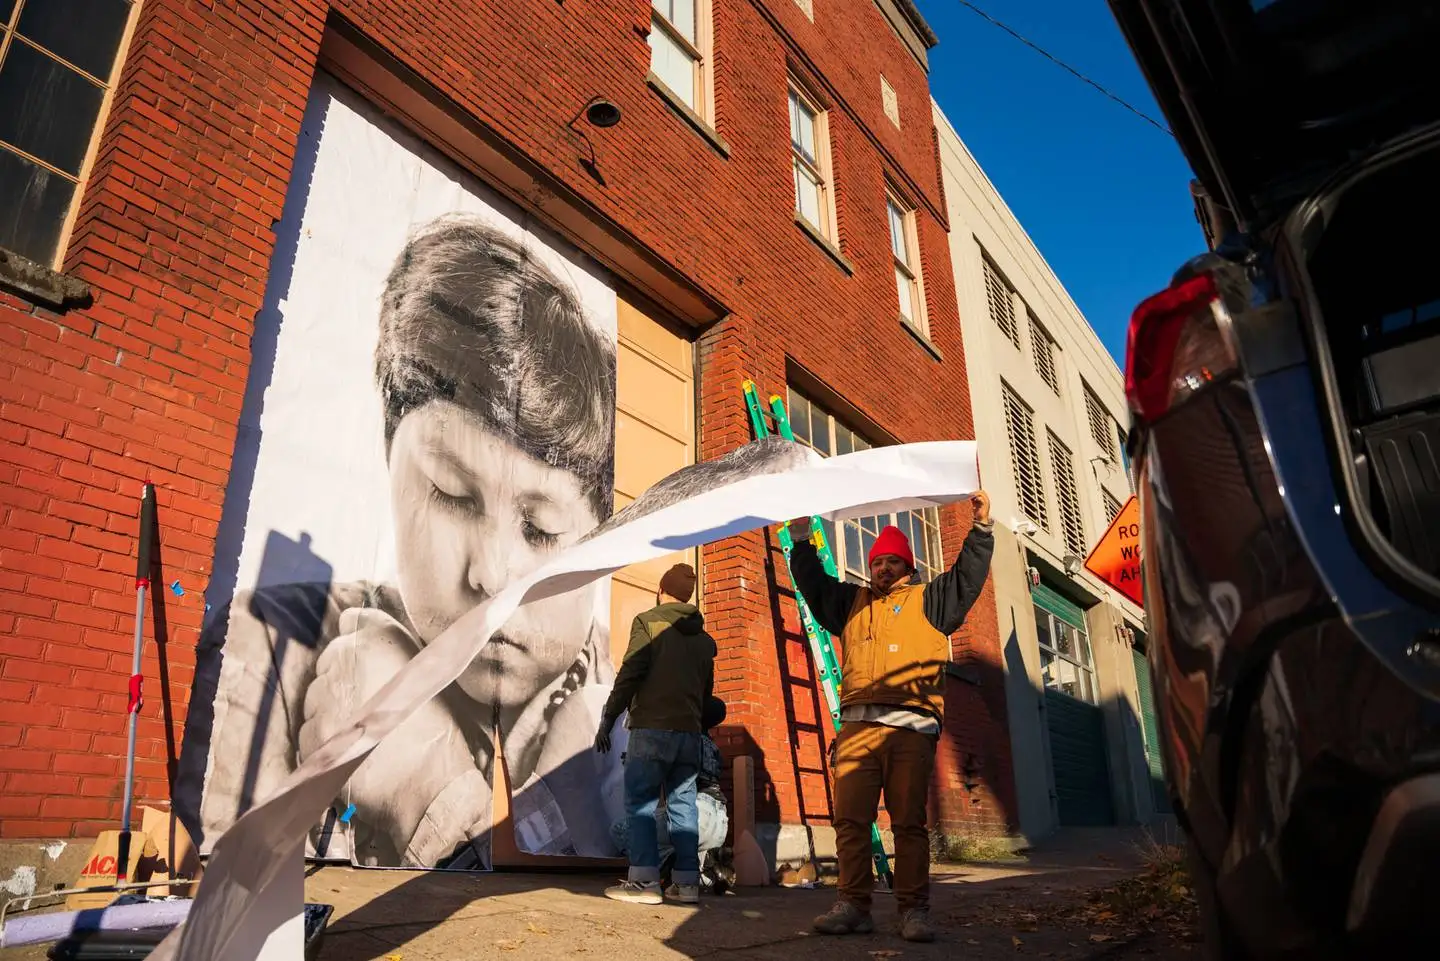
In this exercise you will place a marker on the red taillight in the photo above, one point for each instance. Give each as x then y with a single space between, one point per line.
1156 328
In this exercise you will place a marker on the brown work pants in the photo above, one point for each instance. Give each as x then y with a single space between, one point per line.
871 759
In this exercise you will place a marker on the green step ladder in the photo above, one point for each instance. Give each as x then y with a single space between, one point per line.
822 646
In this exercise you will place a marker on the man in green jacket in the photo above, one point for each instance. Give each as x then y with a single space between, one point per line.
665 679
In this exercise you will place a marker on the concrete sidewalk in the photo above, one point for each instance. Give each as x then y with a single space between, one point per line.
984 910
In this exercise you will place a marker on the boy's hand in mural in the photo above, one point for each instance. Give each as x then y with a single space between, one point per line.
418 760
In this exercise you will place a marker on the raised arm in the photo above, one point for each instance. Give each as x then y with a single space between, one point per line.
949 597
829 599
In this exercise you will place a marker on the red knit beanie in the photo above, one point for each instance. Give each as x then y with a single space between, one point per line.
892 541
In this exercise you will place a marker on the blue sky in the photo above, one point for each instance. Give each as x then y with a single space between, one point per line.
1104 195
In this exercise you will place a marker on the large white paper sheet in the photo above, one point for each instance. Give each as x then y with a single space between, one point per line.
765 483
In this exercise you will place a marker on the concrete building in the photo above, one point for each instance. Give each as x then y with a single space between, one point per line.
748 189
1049 403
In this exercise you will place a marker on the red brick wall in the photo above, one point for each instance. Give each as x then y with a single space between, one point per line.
175 235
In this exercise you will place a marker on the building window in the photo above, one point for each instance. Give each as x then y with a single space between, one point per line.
1102 425
810 156
1002 302
889 101
905 248
1072 525
1025 457
679 50
819 430
56 77
1112 506
1043 346
1066 664
1123 440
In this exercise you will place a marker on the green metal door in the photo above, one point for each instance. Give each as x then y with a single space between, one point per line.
1078 760
1151 728
1078 752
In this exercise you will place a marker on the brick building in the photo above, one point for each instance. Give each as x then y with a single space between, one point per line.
801 246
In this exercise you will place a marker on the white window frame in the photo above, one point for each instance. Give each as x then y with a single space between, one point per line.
861 531
701 98
8 37
908 271
1085 687
818 167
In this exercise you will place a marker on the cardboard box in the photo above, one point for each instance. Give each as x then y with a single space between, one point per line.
102 867
175 858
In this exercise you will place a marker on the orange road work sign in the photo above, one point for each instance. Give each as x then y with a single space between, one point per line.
1116 559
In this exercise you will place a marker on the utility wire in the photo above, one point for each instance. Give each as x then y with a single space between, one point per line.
1061 63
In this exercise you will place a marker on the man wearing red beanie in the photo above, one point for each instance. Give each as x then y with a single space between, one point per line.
895 642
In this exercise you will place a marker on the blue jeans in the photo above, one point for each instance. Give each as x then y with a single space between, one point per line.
714 826
668 762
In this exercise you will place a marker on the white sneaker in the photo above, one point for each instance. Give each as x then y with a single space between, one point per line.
636 892
684 893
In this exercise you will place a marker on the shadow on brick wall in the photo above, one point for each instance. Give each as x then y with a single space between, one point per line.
230 537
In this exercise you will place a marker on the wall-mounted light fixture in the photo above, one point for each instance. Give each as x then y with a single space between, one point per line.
602 113
598 112
1073 564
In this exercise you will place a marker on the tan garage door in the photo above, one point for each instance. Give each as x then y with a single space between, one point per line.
654 436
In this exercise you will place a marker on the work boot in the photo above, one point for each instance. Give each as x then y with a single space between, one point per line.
684 893
844 918
636 892
915 926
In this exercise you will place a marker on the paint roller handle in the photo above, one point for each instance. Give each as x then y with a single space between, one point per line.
147 529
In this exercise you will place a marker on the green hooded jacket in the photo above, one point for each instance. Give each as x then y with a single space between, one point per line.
668 671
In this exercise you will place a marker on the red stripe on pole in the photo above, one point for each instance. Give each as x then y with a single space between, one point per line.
135 699
142 582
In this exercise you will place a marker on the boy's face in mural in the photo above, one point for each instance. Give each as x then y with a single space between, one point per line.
472 513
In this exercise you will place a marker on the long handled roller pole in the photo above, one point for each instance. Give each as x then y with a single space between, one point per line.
142 582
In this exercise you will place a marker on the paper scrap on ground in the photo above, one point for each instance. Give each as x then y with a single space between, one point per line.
761 484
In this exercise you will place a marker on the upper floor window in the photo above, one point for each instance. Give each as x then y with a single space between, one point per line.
1112 506
1102 425
819 430
680 50
810 156
905 248
1067 494
59 60
1043 346
1002 302
1025 457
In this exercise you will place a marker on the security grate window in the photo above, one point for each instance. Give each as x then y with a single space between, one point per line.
1072 524
1042 345
819 430
1102 425
1025 457
1112 506
1002 302
58 62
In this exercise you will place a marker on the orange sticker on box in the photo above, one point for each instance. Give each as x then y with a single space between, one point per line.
1116 559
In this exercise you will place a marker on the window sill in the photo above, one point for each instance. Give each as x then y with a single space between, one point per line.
840 259
39 283
923 340
672 99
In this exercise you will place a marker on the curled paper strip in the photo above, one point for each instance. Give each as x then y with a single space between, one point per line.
763 483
